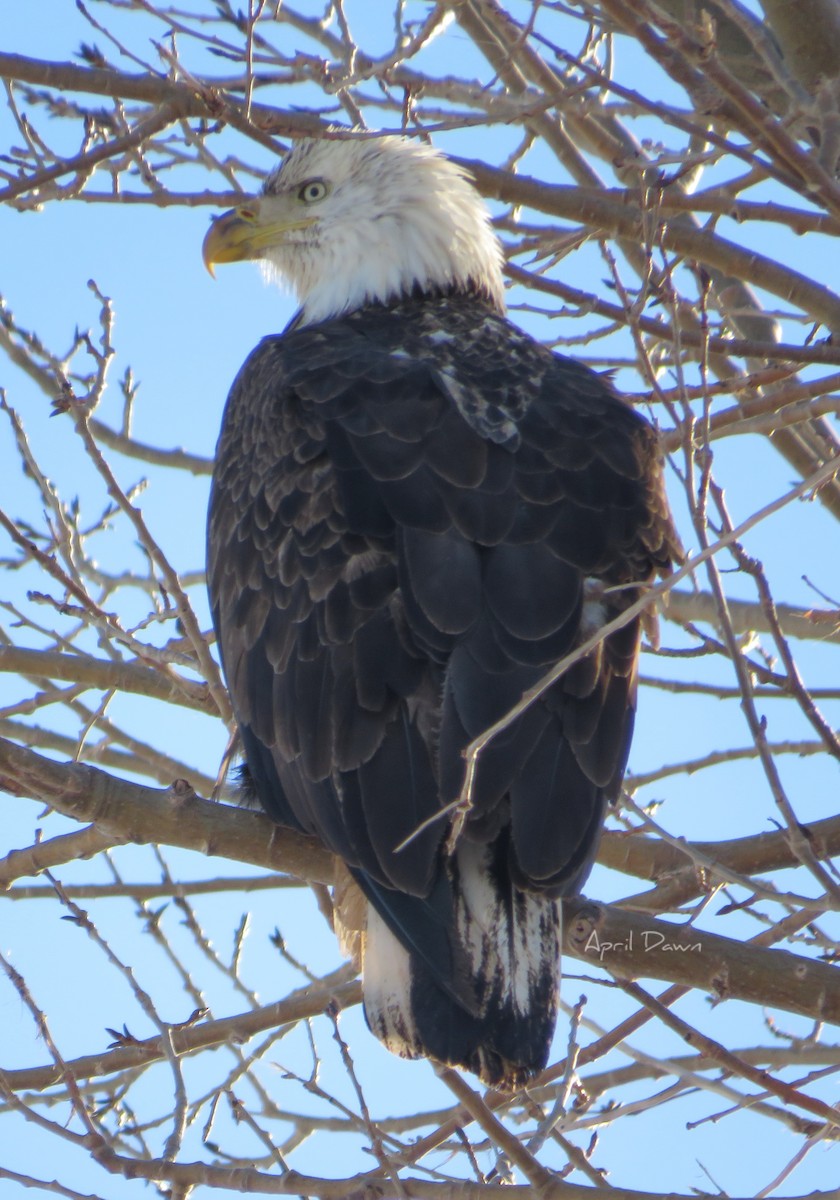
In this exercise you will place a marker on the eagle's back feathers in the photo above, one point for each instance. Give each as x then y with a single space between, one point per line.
415 513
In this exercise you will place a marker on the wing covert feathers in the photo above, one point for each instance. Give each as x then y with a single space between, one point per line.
416 511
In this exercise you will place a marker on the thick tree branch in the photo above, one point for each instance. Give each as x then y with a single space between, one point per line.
634 942
174 817
371 1186
809 35
103 673
633 945
615 219
812 624
185 100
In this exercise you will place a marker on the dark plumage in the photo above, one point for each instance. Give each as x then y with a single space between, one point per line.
416 511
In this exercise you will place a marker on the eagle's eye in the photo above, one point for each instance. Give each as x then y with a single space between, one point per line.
312 191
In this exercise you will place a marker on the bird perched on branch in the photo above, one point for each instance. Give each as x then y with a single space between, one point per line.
417 510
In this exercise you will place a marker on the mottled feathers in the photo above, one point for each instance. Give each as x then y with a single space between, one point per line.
417 510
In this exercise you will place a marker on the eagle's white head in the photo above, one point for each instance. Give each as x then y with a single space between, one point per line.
350 221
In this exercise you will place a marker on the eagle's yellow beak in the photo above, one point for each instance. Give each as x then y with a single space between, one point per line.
246 232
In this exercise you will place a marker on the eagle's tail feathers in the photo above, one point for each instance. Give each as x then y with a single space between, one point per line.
509 941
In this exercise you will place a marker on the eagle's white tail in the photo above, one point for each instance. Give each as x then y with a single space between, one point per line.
495 1014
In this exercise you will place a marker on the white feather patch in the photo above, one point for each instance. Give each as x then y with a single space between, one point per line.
511 940
387 989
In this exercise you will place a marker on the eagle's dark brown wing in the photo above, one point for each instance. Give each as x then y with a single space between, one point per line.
416 512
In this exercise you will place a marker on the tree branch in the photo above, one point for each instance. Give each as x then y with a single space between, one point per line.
161 684
175 817
309 1001
633 945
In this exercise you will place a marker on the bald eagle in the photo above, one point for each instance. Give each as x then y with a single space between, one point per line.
416 511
